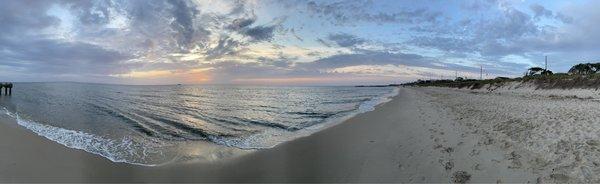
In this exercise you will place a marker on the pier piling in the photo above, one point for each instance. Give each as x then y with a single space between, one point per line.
7 88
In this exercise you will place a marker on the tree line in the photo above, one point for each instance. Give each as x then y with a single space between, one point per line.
578 69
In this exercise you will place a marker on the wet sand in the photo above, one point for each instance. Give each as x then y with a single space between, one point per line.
409 139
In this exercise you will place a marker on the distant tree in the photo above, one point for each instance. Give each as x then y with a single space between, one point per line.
547 72
582 69
595 67
533 71
459 79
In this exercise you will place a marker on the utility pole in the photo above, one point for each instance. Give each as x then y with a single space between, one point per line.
481 72
546 66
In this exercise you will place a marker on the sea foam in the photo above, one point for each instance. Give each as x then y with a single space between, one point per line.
125 150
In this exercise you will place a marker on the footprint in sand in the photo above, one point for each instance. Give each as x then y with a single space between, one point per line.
461 177
448 165
477 167
515 160
448 150
474 152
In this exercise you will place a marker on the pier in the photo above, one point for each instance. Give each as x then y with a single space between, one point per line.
7 86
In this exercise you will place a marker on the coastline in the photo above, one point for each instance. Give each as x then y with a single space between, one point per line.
408 139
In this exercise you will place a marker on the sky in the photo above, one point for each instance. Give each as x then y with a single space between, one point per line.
290 42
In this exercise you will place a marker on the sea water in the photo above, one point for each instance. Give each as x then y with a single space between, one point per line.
153 125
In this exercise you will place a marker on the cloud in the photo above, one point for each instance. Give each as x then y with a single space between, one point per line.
260 33
241 23
564 18
540 11
323 42
225 46
55 57
92 12
184 14
20 17
349 12
26 47
489 37
477 5
256 33
447 44
345 39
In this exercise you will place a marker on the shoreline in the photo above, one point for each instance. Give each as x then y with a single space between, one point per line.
399 141
220 148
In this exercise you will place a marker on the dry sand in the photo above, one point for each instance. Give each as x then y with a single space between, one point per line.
422 135
558 129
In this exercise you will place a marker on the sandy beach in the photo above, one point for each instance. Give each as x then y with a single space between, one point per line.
422 135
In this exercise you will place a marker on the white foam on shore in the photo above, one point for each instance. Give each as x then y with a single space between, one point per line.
125 150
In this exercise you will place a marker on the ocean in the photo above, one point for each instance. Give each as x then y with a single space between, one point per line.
154 125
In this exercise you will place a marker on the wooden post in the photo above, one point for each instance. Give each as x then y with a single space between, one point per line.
10 85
